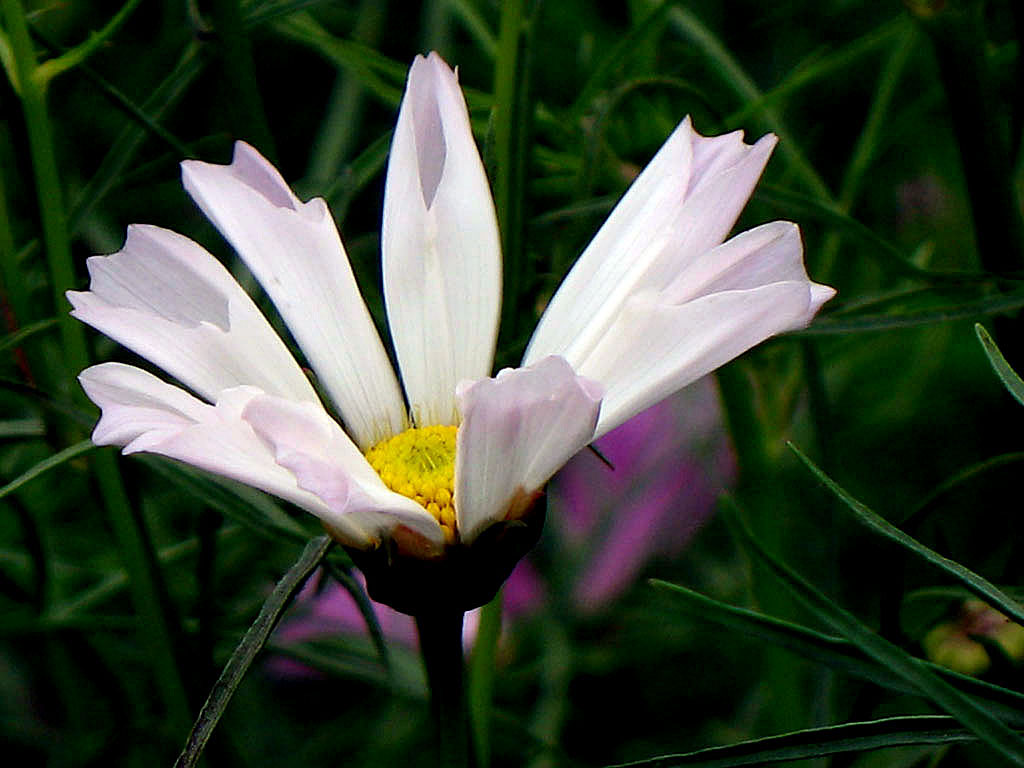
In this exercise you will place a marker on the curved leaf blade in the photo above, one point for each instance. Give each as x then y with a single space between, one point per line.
817 742
978 585
965 709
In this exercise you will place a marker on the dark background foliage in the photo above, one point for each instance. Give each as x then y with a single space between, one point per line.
899 130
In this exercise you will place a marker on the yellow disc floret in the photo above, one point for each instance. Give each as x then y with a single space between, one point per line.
420 464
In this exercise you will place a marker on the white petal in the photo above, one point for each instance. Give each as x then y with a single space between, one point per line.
311 445
517 430
145 414
168 300
655 348
440 244
683 204
294 251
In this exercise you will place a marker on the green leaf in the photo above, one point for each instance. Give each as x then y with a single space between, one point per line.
351 657
15 339
46 465
818 742
914 671
721 59
955 482
75 56
1013 383
381 76
250 645
342 573
994 304
612 60
147 116
834 652
878 248
113 584
978 585
824 66
242 503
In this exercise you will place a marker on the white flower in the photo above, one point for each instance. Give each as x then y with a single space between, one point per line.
655 301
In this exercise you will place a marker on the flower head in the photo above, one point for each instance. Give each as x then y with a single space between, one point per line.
450 470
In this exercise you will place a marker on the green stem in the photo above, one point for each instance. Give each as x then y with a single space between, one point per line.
128 527
440 636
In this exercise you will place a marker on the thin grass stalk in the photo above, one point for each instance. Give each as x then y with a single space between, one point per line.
128 526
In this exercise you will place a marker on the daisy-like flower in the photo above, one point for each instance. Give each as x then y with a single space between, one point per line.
453 466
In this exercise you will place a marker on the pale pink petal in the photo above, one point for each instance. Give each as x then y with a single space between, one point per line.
440 244
682 205
655 348
145 414
770 253
167 299
294 251
313 448
517 430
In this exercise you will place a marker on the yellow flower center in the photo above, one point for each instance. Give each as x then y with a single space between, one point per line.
420 464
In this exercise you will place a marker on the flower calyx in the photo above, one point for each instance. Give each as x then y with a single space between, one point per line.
462 577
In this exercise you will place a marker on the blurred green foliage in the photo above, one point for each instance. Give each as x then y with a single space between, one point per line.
899 156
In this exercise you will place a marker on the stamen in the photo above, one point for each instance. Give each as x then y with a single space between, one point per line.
420 464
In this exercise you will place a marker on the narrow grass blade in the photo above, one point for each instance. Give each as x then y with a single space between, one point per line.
15 339
381 76
246 505
146 119
956 482
978 585
994 304
251 644
341 572
1013 383
818 742
46 465
613 58
690 28
75 56
878 248
965 709
834 652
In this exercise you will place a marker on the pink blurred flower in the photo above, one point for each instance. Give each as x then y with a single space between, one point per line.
670 463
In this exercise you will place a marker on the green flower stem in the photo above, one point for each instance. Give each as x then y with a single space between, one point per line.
128 527
440 636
